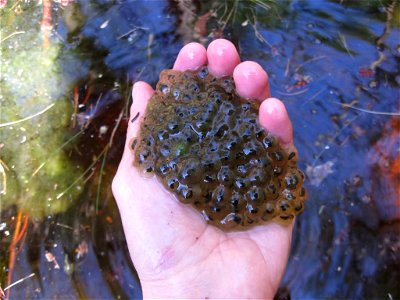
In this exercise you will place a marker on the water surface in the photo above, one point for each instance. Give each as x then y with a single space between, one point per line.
67 67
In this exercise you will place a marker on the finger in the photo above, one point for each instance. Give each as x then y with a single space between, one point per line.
191 57
222 57
141 94
274 118
251 81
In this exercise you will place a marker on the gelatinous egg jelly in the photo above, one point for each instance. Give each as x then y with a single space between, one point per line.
205 144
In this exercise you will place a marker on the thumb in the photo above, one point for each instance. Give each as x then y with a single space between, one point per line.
141 94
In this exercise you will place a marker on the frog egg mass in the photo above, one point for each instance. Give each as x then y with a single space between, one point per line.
204 143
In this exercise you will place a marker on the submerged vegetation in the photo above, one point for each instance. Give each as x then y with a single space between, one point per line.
38 177
34 120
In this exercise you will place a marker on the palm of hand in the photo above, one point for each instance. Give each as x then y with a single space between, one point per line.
174 251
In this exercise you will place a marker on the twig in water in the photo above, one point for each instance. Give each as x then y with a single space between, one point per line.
3 168
262 4
128 95
131 31
47 20
385 34
385 113
314 96
103 163
378 62
89 176
309 61
27 118
258 35
19 233
293 94
64 226
84 102
121 114
55 151
332 139
82 175
76 103
14 5
287 67
19 281
342 39
233 10
91 115
11 35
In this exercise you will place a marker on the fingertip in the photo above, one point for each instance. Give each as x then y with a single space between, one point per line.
274 118
251 81
222 57
191 57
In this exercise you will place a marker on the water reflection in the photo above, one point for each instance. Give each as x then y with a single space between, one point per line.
335 65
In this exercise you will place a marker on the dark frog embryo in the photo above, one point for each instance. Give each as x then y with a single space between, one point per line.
205 144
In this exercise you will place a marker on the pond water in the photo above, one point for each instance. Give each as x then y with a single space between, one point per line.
67 68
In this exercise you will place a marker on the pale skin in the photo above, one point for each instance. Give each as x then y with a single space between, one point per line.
175 252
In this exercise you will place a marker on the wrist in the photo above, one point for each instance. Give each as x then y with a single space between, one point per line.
196 288
170 288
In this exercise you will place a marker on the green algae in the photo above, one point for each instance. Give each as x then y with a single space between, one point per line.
35 114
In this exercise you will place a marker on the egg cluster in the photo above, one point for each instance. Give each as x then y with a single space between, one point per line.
205 144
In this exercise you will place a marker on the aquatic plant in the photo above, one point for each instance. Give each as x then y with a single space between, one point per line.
35 116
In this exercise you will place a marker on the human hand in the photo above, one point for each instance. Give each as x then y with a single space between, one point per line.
175 252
